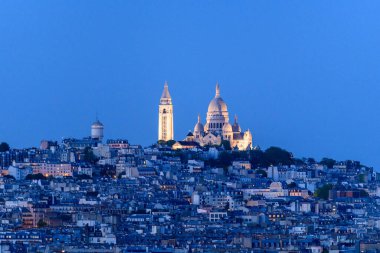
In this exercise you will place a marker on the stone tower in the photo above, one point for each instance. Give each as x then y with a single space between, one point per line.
97 129
165 116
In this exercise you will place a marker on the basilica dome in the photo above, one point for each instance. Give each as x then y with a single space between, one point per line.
217 104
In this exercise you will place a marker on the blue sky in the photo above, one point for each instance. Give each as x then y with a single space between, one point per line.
302 75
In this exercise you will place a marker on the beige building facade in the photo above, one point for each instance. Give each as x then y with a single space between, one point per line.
165 116
218 128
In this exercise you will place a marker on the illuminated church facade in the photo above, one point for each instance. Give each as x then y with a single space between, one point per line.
165 116
216 129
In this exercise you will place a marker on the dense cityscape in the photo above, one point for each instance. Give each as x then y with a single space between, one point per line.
214 191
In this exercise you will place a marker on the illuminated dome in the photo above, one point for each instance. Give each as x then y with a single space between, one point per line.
217 114
199 128
227 128
217 104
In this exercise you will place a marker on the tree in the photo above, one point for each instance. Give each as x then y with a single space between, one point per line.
361 178
299 162
41 223
10 177
4 147
83 176
121 175
227 206
226 145
38 176
262 173
108 171
240 155
225 159
292 185
328 162
363 193
323 192
92 193
311 161
161 142
256 158
277 156
89 156
170 143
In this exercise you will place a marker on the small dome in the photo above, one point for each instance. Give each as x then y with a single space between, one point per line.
277 186
199 128
97 123
227 128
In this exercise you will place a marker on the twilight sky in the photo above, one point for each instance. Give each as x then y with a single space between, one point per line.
302 75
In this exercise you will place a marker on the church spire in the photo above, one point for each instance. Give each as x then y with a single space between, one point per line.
236 119
165 116
165 97
217 92
165 93
199 118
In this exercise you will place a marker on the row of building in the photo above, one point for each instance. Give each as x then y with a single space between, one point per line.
118 197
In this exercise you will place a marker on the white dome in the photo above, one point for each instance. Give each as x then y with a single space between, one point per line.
217 114
97 124
227 128
217 105
276 186
199 128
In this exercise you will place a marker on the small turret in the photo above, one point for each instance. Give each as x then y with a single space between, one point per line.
165 116
165 97
97 129
199 128
235 127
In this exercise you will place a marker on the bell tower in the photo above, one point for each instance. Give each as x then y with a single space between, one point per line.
165 116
